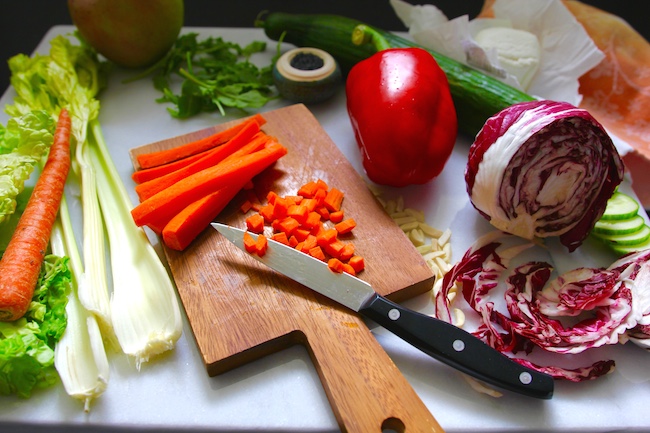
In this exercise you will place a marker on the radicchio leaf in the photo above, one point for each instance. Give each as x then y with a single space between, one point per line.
605 306
543 168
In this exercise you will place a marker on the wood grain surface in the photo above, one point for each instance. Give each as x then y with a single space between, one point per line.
240 311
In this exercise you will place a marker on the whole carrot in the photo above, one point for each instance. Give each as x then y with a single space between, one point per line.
21 263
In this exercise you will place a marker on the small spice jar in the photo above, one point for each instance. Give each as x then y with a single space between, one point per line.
307 75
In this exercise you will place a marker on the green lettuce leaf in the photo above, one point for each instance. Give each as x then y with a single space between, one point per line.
24 143
27 345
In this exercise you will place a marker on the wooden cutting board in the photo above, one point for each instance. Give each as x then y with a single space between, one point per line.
240 311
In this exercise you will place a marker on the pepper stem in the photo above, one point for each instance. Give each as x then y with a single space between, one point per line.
363 34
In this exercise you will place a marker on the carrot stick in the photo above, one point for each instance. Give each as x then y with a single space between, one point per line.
151 187
181 230
21 263
160 221
160 170
152 159
175 198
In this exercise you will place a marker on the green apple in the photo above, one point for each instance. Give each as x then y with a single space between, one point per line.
130 33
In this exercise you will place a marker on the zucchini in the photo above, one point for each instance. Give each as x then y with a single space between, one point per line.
477 96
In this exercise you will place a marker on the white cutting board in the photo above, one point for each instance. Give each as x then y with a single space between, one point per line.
282 392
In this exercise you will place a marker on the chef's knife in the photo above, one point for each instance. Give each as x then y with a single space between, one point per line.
437 338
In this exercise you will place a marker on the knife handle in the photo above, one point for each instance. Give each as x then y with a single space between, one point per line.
458 348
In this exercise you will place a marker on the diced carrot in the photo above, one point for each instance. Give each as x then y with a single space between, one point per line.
333 200
288 225
333 249
178 196
322 185
323 212
281 237
249 243
309 203
271 196
299 245
312 220
319 196
335 265
327 237
255 223
309 243
309 189
346 226
301 234
280 208
267 211
336 217
261 245
294 199
293 241
246 206
299 212
357 263
317 252
348 269
152 159
347 252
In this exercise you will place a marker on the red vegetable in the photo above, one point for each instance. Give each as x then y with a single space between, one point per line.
543 168
21 263
402 113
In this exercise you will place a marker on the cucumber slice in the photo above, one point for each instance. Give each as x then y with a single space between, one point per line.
620 207
629 239
625 249
619 227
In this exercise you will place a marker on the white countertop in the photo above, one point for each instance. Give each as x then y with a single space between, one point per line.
282 392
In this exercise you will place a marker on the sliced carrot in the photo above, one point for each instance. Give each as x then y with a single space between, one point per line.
255 223
175 198
185 226
244 136
21 263
146 174
346 226
152 159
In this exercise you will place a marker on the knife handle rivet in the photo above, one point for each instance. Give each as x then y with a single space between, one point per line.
525 378
458 345
393 314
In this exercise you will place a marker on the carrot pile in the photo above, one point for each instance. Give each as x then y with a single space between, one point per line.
312 221
183 189
22 260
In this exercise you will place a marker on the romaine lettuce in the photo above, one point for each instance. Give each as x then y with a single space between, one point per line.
27 345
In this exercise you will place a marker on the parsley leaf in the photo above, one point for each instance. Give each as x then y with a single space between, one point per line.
214 75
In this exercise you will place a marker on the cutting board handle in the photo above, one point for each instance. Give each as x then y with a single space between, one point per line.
367 392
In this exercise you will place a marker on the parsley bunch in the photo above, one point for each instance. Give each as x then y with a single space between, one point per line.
214 74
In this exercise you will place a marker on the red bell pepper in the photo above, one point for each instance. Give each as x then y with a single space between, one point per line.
401 111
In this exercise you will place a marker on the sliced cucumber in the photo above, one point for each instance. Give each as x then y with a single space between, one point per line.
620 207
619 227
629 239
625 249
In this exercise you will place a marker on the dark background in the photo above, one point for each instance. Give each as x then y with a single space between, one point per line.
23 23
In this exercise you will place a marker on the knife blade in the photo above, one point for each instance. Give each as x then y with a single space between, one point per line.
441 340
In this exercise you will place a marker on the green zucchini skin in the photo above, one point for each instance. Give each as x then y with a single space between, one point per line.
476 96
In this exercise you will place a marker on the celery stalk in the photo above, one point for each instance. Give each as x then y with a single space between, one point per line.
144 308
79 356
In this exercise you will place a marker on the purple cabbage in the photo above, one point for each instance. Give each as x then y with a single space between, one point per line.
543 168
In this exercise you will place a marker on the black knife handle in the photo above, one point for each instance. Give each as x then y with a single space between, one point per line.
458 348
